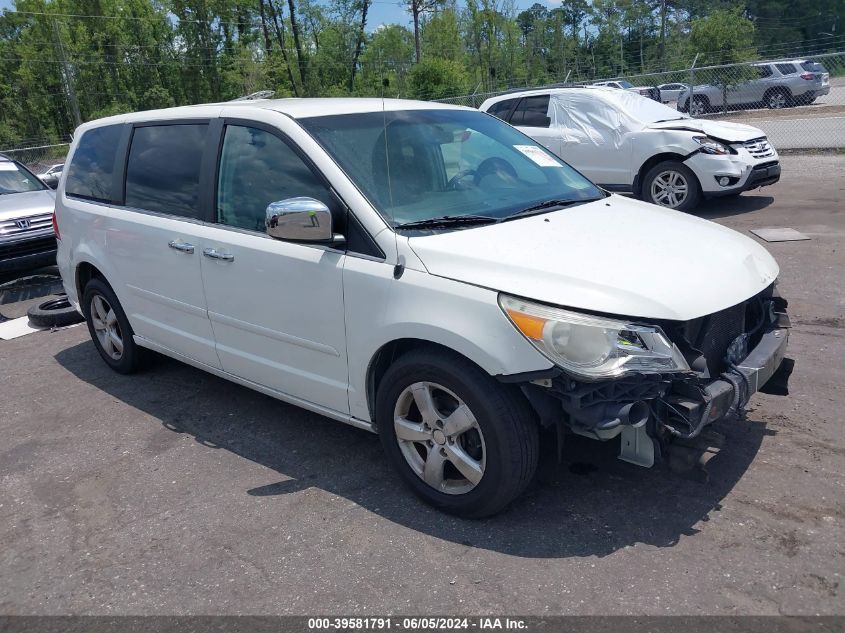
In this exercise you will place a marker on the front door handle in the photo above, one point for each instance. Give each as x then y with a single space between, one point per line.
181 246
215 254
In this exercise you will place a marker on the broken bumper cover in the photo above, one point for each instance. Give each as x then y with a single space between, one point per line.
759 367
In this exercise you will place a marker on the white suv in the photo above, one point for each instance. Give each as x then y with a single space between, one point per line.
420 270
627 143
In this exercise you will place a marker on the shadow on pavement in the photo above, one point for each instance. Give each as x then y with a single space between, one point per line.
591 505
730 206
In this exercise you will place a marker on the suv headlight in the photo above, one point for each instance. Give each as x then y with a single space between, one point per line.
711 146
593 347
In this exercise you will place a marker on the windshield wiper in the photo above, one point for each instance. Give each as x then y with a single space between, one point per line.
447 221
545 206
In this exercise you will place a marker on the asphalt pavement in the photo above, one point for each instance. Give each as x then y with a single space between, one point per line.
175 492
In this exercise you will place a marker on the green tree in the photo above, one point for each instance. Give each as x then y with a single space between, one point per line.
437 78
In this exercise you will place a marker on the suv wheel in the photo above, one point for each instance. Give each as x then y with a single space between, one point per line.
700 105
109 328
671 184
462 441
777 99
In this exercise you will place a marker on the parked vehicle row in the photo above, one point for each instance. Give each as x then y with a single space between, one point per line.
26 212
627 143
422 271
777 85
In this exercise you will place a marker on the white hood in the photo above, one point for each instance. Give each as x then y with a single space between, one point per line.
617 256
720 130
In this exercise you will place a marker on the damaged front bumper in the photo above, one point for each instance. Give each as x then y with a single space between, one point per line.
649 410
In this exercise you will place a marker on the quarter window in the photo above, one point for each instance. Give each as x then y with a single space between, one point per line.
90 172
257 168
532 112
163 172
502 108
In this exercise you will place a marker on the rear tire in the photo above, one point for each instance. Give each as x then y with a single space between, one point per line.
109 328
471 447
672 185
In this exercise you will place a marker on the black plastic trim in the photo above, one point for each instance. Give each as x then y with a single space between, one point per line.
528 376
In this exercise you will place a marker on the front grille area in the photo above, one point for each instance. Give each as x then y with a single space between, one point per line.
27 247
759 147
22 225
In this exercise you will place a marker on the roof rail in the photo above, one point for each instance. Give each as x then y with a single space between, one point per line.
255 96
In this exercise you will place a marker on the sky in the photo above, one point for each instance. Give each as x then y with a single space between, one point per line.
381 11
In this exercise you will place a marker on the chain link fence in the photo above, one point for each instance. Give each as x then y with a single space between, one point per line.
798 102
38 158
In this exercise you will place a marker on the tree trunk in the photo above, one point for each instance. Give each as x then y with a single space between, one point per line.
415 10
662 47
279 27
359 43
268 45
300 56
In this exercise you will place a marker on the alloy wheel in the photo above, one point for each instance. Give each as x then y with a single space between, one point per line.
777 100
106 327
669 189
439 438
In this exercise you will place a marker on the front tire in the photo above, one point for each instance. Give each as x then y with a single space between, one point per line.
462 441
672 184
109 328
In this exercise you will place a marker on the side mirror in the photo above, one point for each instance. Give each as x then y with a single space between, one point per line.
300 220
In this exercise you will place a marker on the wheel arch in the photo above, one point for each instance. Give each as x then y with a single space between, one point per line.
651 162
391 351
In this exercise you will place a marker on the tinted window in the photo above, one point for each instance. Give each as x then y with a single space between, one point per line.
90 172
785 69
532 112
502 108
257 168
163 172
15 179
813 67
764 71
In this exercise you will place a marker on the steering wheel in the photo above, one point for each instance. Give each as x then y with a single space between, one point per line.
494 165
455 181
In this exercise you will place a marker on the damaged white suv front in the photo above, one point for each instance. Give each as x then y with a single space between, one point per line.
631 144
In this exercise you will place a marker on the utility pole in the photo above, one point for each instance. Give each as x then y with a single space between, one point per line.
67 77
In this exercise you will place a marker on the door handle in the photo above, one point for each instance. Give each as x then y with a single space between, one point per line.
181 246
215 254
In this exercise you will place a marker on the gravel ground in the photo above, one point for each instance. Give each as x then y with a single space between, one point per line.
174 492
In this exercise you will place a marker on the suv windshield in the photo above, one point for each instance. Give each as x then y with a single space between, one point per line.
625 84
16 179
418 165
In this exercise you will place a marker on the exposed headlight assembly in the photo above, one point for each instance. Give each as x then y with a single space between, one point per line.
711 146
593 347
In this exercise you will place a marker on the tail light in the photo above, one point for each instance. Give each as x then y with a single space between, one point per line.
56 226
808 76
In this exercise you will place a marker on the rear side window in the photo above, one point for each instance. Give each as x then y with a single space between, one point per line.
813 67
532 112
785 69
163 172
90 172
502 108
764 71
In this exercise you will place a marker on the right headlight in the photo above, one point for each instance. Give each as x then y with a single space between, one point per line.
593 347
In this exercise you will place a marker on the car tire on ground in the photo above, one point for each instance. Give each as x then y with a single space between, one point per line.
110 329
461 440
671 184
56 312
778 98
700 105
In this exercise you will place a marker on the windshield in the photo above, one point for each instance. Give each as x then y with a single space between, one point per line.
416 165
14 179
625 84
641 108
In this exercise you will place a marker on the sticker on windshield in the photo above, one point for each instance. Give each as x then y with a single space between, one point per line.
537 155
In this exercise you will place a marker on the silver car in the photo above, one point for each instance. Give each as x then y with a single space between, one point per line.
778 85
27 239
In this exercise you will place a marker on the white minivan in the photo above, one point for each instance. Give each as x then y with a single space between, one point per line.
632 144
419 270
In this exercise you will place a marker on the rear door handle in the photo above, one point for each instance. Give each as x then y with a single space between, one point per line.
181 246
215 254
